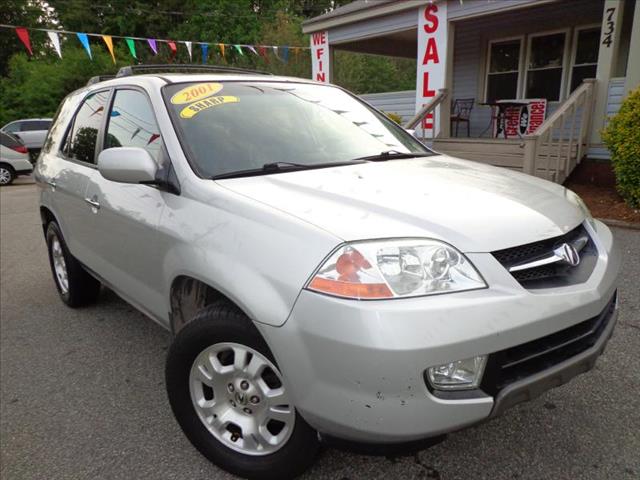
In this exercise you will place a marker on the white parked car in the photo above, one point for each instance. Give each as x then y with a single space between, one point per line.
325 274
14 159
32 131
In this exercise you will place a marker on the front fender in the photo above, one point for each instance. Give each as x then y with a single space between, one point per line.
255 255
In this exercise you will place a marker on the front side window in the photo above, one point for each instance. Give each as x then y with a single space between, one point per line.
34 125
544 69
132 123
81 139
234 126
503 74
585 62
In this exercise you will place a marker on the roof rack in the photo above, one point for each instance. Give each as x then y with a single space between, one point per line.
99 78
183 68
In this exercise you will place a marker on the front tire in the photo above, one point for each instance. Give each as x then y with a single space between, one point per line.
227 394
76 287
7 174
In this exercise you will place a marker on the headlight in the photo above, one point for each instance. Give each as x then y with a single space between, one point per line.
395 268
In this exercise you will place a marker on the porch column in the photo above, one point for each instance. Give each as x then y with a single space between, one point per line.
607 56
633 63
445 107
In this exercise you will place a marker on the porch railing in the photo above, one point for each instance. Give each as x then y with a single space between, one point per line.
563 138
430 107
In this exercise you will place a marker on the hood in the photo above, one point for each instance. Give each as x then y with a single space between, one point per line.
475 207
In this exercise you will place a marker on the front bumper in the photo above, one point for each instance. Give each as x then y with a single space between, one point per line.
355 368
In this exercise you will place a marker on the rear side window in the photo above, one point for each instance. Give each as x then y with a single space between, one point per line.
9 140
13 127
132 124
80 143
34 125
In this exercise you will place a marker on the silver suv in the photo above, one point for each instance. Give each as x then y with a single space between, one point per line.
325 275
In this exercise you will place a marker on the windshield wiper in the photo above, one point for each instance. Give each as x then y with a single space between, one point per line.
281 167
393 155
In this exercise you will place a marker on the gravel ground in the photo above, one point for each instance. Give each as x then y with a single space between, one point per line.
82 392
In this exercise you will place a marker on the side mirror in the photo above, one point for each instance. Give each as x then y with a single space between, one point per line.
127 165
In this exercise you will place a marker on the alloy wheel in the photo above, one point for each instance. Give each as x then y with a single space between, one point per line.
59 265
5 176
239 396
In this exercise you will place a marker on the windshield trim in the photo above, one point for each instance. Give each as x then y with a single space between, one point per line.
186 150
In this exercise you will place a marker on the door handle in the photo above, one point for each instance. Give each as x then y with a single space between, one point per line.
52 184
93 202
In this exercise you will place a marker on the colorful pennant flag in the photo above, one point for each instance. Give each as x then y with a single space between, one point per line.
221 46
84 40
109 42
285 54
205 52
239 49
132 47
263 53
173 49
153 45
275 52
23 35
137 131
55 41
154 136
250 47
188 45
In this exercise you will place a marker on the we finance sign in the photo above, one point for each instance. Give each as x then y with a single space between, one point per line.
320 56
432 51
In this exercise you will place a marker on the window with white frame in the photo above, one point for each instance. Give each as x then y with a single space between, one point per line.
585 55
545 66
503 73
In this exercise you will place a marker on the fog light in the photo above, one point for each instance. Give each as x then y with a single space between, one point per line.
458 375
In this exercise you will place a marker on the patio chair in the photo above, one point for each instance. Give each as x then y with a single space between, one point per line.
461 112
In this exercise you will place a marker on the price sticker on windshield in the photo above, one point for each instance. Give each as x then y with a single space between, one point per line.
196 92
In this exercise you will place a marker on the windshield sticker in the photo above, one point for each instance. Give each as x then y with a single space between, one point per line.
196 107
193 93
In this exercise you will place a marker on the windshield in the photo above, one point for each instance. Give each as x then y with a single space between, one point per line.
234 126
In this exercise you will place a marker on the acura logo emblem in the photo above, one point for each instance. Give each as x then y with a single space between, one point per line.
568 254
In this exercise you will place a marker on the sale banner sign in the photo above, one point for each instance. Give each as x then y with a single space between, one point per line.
432 52
320 56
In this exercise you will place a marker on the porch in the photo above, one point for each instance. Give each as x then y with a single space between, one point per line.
509 50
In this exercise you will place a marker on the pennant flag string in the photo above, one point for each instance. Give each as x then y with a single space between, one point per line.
132 47
55 41
84 40
23 35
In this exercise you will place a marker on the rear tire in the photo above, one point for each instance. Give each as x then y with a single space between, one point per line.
7 174
76 287
231 432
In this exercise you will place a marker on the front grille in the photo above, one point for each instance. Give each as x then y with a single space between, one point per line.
554 274
510 365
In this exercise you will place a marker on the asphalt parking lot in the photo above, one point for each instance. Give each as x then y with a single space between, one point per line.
82 392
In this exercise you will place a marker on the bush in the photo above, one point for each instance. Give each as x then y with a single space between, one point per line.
394 116
622 137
